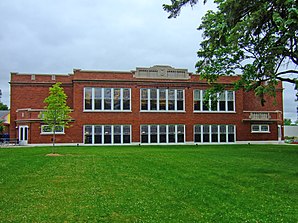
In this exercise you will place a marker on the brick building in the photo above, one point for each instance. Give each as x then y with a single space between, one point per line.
159 104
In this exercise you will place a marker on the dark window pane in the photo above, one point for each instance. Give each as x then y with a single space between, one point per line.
197 137
97 139
230 106
197 106
222 105
117 138
144 139
126 139
172 138
180 105
162 138
223 138
206 138
231 138
180 137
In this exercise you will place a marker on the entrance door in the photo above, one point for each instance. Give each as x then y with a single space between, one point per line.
23 135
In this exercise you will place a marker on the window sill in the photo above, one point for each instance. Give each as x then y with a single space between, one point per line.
162 111
117 111
51 133
260 132
227 112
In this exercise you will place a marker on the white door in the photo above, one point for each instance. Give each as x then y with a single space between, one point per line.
279 133
23 135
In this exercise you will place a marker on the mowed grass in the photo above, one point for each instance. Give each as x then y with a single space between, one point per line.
227 183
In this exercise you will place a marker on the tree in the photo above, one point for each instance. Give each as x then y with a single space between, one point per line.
287 121
56 112
3 106
255 38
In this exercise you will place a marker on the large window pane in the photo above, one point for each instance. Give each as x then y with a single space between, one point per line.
88 98
214 133
144 99
230 101
162 99
97 98
171 101
222 101
126 99
180 100
172 134
88 134
126 134
107 134
197 133
231 133
107 98
153 133
153 99
144 134
197 100
117 99
162 133
206 135
98 134
117 134
180 133
223 133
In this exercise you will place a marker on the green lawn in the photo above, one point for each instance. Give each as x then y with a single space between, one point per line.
228 183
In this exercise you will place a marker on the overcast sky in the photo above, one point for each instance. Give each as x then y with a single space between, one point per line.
56 36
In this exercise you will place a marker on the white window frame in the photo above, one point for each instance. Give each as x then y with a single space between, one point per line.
218 133
102 100
50 133
217 106
167 134
167 100
260 128
103 134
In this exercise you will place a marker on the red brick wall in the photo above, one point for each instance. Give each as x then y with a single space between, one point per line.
27 93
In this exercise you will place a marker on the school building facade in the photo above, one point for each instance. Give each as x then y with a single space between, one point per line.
154 105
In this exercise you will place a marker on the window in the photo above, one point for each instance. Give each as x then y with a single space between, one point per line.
107 134
263 128
88 98
97 134
107 99
214 133
162 100
144 134
153 99
197 100
144 99
117 99
88 134
162 133
197 133
45 129
225 102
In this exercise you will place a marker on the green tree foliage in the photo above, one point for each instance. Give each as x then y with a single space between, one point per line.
3 106
254 38
56 112
287 121
1 126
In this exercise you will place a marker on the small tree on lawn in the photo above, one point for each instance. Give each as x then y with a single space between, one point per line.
56 113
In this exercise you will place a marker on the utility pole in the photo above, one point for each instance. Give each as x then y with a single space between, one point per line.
0 95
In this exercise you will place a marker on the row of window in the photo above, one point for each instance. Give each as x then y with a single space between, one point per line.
107 99
162 133
214 133
107 134
152 99
225 101
162 99
121 134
